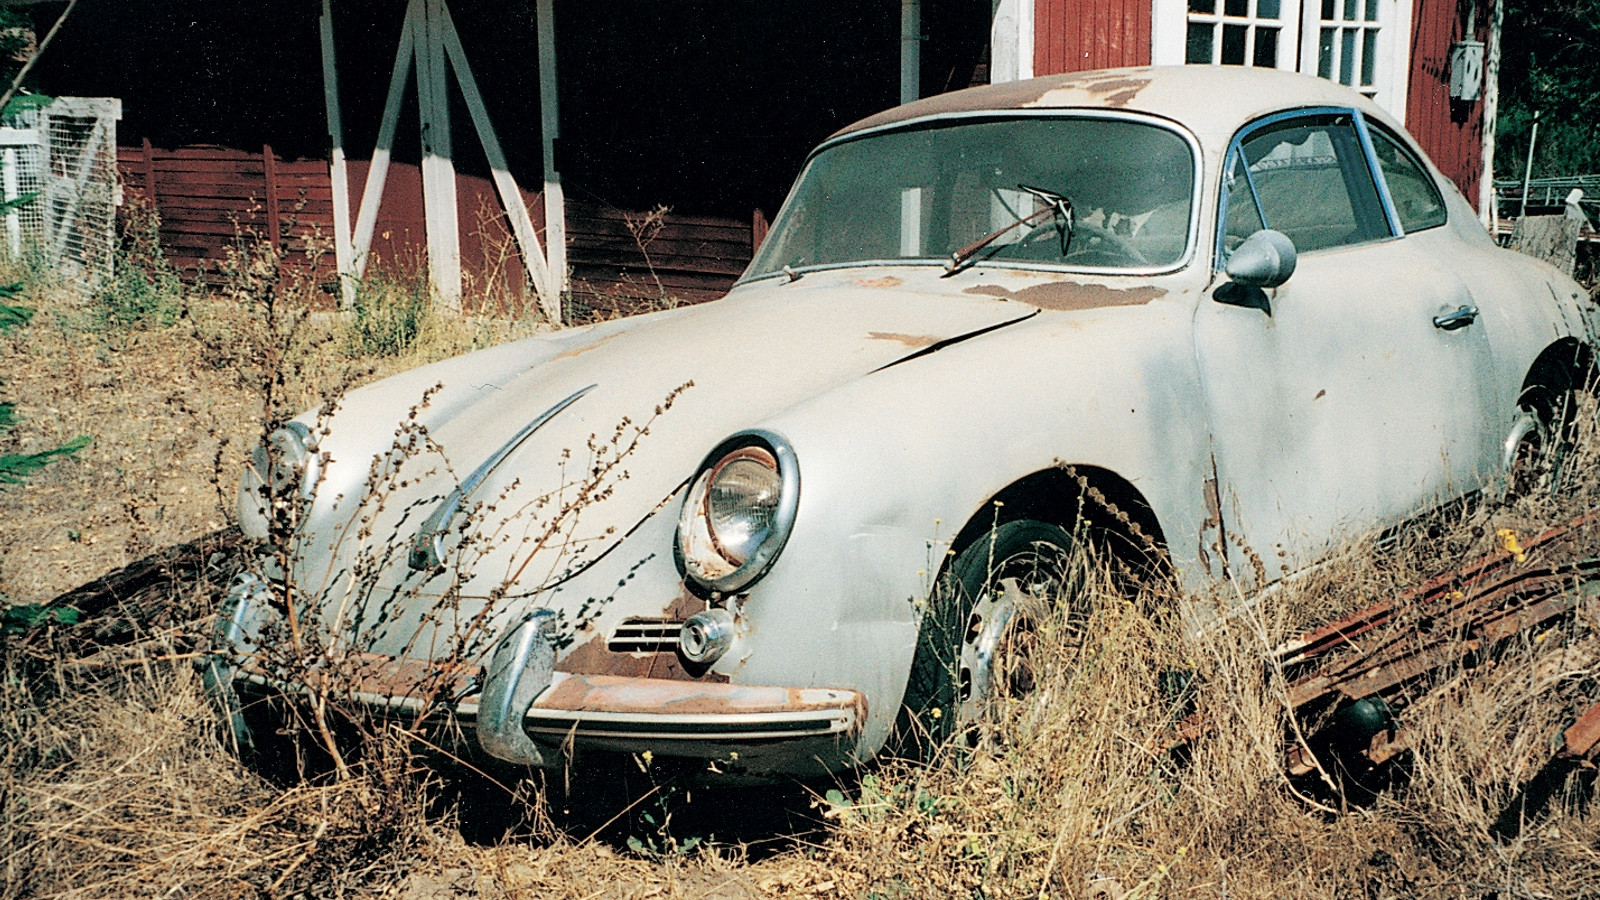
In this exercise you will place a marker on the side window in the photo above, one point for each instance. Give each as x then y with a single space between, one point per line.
1416 198
1307 178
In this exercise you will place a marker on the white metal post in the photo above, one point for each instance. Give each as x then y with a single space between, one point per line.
338 174
555 216
506 185
910 50
438 167
13 190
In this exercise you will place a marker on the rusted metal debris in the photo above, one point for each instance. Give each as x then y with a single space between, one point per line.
1349 679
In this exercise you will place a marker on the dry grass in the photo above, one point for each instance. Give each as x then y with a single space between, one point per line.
117 783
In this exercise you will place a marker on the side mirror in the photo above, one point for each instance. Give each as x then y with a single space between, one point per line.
1266 259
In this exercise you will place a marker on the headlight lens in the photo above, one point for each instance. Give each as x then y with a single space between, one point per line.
739 510
281 472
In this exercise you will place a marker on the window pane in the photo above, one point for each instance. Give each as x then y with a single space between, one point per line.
1313 184
1372 10
1203 6
1415 197
1236 7
1242 218
1324 53
1199 43
1327 10
1233 45
1266 48
1267 9
1349 10
1347 56
1369 55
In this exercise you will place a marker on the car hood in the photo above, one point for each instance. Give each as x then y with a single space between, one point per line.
656 395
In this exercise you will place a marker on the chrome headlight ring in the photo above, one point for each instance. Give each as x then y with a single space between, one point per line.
738 512
283 469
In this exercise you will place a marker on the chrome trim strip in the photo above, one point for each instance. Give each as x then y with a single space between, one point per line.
427 548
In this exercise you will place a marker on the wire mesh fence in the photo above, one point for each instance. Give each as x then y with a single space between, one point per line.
65 154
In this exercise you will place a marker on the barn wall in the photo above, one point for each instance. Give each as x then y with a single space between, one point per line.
1076 35
1450 131
209 197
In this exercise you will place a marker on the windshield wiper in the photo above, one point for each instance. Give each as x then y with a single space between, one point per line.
1057 205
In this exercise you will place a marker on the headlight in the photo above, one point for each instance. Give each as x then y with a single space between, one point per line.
739 511
281 472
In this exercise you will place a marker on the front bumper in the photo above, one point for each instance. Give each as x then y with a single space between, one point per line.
521 711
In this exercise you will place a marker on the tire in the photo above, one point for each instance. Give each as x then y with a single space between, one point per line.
973 644
1544 463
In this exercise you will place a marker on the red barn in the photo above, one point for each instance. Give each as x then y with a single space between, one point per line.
524 143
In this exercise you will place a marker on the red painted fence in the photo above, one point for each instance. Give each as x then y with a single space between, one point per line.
210 198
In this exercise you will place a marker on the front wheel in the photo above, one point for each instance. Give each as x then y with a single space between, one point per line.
975 643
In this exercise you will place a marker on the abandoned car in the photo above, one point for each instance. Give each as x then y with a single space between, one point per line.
1211 311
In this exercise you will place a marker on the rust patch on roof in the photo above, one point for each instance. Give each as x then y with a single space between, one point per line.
1068 295
887 281
1121 90
910 340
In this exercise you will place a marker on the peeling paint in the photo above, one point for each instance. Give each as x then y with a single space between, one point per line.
585 348
887 281
1122 91
593 658
1068 295
910 340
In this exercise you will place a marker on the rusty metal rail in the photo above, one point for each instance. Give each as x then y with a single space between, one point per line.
1347 680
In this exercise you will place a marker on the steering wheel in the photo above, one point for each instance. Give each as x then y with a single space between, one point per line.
1093 242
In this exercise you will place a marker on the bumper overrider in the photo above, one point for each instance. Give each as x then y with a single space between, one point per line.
518 709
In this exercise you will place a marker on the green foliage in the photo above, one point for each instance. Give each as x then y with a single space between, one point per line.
390 313
28 616
145 292
1548 65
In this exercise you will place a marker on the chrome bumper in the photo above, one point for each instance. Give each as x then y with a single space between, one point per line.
522 711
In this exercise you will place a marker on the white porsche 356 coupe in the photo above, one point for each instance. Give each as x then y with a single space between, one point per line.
1184 310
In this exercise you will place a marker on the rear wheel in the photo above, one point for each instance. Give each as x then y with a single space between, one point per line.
978 635
1543 462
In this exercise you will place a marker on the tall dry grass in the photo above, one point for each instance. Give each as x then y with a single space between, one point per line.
117 781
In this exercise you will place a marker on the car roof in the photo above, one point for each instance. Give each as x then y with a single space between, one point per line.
1210 100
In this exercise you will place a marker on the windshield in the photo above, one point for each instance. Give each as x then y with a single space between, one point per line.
927 193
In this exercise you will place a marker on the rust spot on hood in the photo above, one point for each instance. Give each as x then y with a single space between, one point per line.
910 340
1067 295
585 348
887 281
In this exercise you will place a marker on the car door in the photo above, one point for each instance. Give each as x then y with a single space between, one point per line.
1360 390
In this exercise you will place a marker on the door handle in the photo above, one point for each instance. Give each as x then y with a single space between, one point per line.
1461 318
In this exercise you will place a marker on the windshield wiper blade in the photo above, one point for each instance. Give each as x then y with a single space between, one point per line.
1057 206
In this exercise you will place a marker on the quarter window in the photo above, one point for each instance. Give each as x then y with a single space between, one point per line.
1307 178
1416 198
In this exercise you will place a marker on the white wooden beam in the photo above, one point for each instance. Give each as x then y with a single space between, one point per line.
910 50
378 171
1011 41
438 167
338 174
510 194
555 217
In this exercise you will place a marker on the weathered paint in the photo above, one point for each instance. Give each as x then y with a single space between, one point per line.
1104 34
1067 295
